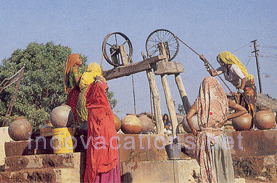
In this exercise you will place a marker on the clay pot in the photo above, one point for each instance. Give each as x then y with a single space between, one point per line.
194 122
117 122
242 122
147 124
62 116
264 119
20 129
131 124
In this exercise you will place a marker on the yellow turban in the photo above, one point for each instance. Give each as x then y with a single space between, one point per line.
229 58
92 71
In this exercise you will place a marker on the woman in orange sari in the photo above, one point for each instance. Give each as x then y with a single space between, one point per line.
71 80
212 151
102 158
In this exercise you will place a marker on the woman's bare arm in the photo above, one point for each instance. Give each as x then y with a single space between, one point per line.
190 114
243 82
238 108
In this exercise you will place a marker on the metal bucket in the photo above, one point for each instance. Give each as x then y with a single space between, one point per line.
62 140
173 151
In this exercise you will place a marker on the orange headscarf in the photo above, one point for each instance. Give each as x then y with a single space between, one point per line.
71 60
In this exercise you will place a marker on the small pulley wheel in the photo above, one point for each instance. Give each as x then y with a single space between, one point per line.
117 49
170 41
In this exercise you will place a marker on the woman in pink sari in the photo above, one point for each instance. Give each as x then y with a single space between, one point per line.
102 159
212 150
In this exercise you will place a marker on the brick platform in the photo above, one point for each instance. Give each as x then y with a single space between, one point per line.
143 159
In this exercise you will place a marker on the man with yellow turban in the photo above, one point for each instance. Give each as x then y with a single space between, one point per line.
235 72
87 78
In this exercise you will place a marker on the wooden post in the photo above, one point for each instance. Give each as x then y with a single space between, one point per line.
169 101
122 50
156 101
182 92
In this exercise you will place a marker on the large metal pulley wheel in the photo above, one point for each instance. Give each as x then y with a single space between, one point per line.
170 41
117 49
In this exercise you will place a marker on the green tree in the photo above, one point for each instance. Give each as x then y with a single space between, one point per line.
112 101
42 87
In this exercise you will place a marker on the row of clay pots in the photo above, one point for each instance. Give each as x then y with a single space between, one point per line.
21 129
62 116
131 124
263 120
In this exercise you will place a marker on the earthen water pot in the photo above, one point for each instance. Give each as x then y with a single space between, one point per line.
264 119
20 129
194 122
117 122
131 124
242 122
147 124
62 116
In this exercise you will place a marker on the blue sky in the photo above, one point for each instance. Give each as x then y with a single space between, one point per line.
208 26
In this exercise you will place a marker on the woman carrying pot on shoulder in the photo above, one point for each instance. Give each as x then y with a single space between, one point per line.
212 150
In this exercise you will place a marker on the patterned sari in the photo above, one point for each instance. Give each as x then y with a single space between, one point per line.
211 153
248 99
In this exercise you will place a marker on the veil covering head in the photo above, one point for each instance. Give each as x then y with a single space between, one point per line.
92 71
212 103
229 58
71 60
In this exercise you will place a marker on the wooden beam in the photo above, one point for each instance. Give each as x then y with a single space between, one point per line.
168 68
132 68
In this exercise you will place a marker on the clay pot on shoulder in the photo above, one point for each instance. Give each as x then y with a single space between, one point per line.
194 122
20 129
242 122
264 119
131 124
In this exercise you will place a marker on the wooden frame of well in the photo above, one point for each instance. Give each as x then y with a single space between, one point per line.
161 66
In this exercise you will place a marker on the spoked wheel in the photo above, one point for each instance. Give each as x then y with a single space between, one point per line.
168 38
112 45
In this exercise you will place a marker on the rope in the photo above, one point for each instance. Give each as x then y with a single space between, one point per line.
133 83
207 62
